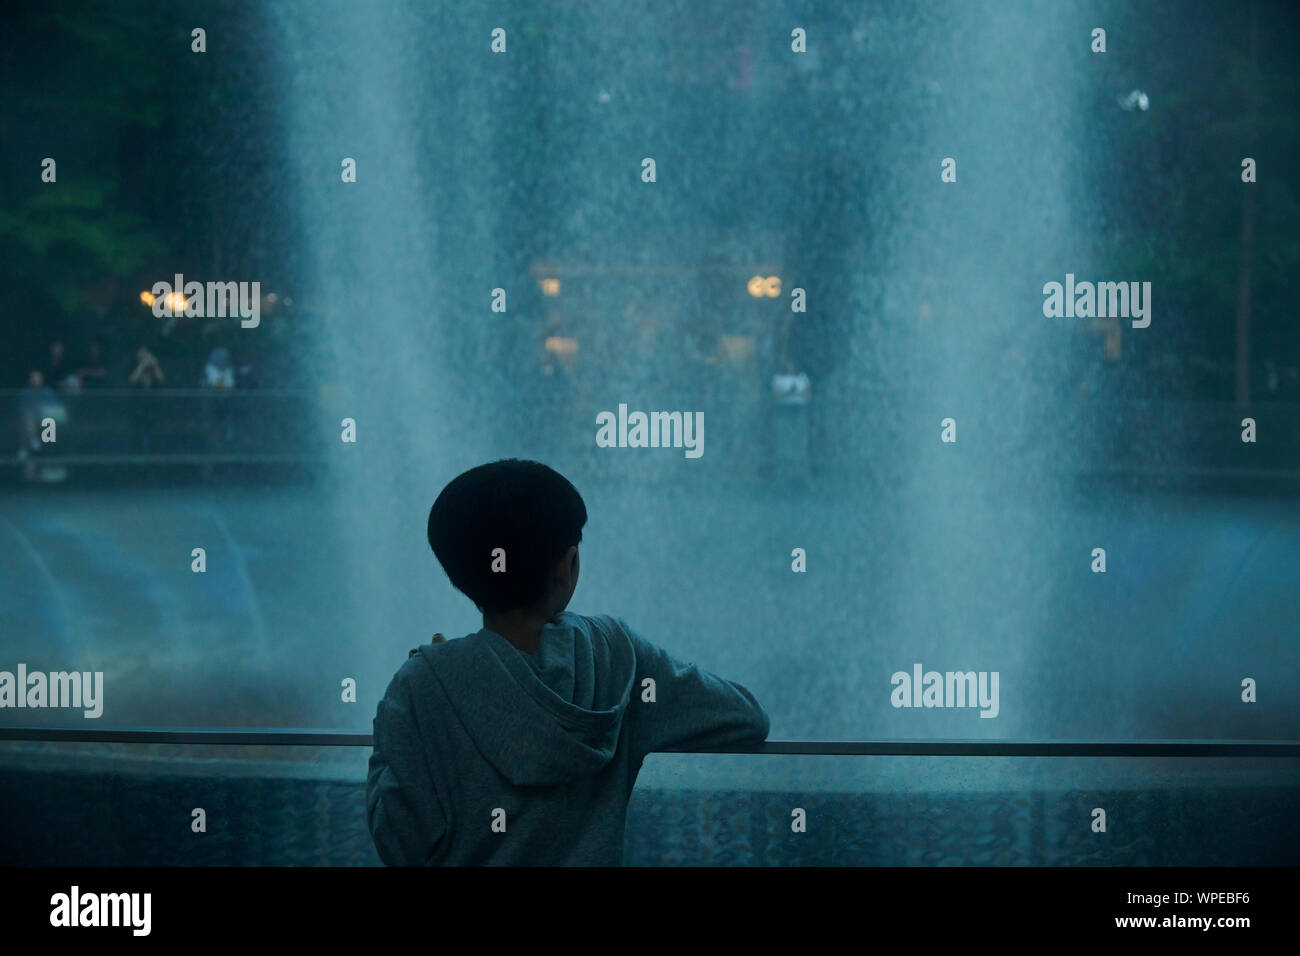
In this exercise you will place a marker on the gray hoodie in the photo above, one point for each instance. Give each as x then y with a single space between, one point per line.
487 755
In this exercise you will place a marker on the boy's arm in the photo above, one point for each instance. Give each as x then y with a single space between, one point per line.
693 709
402 809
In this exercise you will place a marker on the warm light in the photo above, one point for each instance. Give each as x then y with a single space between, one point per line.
562 346
175 302
773 286
147 297
1112 338
755 287
550 287
1114 346
738 348
764 286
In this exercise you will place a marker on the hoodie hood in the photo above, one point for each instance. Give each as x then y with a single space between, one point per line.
546 718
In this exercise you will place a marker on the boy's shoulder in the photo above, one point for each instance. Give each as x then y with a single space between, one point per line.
419 663
442 655
611 629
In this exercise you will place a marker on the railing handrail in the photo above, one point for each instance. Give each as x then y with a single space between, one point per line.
285 737
314 393
176 458
179 391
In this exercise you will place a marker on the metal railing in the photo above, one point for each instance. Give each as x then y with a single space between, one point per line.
280 737
185 427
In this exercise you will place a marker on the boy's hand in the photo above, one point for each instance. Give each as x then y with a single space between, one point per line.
437 639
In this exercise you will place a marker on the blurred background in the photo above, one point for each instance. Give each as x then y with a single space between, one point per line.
774 171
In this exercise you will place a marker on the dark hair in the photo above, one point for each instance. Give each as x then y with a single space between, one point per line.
528 510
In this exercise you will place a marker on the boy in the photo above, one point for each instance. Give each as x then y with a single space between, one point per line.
520 744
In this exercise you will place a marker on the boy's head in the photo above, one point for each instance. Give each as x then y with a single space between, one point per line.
528 511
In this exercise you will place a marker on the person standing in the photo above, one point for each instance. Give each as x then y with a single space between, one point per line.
147 376
218 376
791 393
148 373
35 402
57 370
93 374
